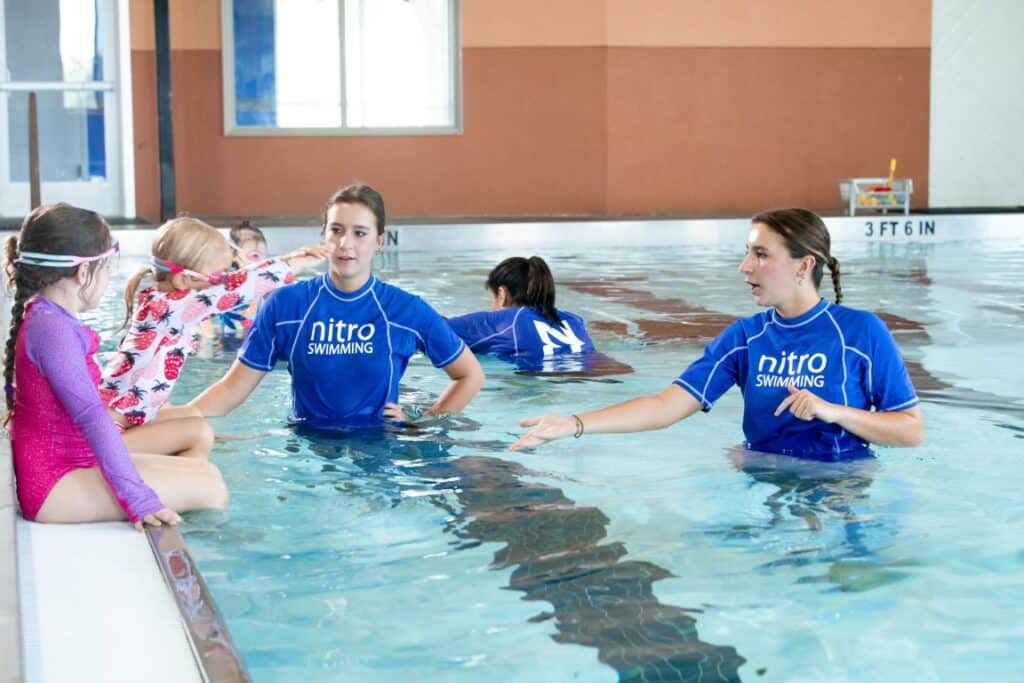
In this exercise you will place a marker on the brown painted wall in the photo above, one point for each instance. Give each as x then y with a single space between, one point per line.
713 130
579 128
520 153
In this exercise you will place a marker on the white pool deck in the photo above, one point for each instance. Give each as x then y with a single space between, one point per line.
87 603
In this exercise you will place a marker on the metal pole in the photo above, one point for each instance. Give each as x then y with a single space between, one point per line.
165 121
33 153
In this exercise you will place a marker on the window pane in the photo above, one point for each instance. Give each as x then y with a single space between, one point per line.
398 70
308 64
57 40
390 67
253 22
72 146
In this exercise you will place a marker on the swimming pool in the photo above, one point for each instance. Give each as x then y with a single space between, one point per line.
662 556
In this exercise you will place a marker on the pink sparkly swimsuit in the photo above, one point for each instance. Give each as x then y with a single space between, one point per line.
59 423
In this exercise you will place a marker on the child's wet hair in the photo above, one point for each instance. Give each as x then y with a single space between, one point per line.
49 229
246 232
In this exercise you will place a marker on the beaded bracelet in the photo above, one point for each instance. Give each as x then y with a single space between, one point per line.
579 427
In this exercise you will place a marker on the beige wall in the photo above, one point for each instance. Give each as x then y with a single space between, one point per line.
589 107
769 23
697 23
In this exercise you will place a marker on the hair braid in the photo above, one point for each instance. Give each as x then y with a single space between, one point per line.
833 266
49 229
17 317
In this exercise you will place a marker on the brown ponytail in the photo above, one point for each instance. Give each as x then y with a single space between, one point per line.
131 289
529 283
805 234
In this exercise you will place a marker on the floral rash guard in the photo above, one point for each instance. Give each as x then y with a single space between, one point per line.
164 331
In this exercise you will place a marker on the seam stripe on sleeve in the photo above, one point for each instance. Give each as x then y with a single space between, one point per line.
902 406
515 336
387 334
867 359
693 391
842 343
407 329
312 305
462 345
483 339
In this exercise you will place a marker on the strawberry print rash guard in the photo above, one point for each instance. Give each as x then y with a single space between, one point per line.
165 330
59 423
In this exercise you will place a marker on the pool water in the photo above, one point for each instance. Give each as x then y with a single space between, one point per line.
666 556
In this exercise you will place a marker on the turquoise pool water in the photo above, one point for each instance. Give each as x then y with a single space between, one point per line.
665 556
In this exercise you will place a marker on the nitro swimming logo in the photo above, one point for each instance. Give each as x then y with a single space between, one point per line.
553 337
335 338
792 370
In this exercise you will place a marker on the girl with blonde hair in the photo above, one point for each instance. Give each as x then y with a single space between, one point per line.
189 279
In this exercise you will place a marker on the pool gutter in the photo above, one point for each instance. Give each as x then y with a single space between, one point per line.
214 656
207 634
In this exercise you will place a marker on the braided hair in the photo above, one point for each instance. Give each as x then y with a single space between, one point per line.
50 229
805 234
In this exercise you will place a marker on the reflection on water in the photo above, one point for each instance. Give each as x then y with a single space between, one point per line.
598 597
832 502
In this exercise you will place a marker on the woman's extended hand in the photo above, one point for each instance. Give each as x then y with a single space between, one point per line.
159 518
807 406
545 428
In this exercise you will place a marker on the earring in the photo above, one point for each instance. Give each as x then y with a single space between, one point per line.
799 280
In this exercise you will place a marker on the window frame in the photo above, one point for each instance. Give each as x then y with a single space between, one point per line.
231 128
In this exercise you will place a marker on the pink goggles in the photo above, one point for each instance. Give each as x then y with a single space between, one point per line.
172 267
38 258
252 256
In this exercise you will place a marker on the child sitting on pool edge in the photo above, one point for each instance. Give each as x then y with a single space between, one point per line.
188 280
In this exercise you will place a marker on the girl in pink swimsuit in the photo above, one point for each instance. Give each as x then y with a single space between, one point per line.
70 461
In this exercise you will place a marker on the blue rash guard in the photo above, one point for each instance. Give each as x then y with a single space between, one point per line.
523 335
843 355
346 352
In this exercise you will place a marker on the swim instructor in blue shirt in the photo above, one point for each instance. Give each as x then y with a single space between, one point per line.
819 380
346 336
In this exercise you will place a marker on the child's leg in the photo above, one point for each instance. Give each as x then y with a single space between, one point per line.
169 412
187 436
183 484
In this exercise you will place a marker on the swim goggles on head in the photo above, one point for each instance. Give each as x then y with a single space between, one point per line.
172 267
252 256
38 258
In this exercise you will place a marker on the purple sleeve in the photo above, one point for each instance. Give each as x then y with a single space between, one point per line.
58 349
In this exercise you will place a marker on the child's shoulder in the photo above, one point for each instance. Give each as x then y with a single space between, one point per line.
45 323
